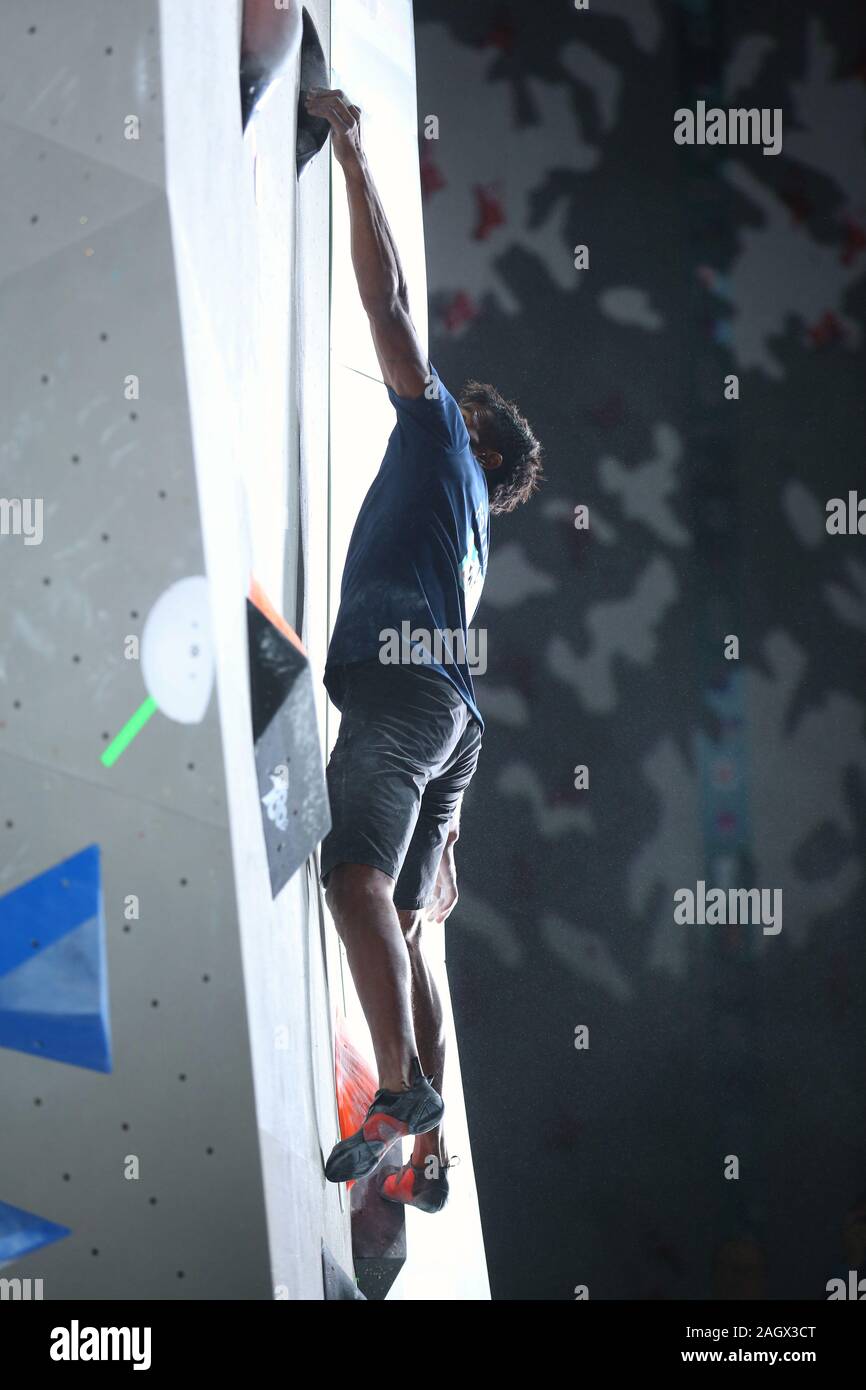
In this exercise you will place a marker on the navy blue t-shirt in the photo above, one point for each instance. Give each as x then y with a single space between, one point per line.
418 554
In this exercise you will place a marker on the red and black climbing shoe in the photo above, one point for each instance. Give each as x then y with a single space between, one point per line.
392 1114
421 1185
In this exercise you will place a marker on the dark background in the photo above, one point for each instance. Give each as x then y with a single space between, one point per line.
605 1167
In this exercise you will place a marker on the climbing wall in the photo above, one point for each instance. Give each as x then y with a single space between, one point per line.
166 1050
193 415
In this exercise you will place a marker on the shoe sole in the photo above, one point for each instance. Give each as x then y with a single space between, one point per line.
358 1156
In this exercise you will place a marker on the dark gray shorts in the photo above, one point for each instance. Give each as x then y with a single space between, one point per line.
406 751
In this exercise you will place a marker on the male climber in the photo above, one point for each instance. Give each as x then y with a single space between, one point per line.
398 668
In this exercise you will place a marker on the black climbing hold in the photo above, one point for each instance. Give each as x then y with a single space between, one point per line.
292 790
312 130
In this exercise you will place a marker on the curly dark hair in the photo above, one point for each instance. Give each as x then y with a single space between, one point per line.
509 433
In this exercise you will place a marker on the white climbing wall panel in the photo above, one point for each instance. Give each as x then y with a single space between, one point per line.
193 1168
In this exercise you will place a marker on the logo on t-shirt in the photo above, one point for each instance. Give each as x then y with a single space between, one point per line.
472 565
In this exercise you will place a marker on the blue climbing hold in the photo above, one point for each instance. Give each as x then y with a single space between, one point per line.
24 1231
53 970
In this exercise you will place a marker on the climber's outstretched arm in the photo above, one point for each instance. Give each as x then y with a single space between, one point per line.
378 271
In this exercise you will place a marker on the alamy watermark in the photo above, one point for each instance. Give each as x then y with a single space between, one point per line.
77 1343
419 646
854 1289
729 907
736 126
21 1290
22 516
846 517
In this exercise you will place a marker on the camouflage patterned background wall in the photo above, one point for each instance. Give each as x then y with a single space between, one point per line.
696 376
